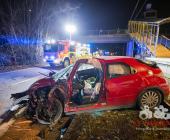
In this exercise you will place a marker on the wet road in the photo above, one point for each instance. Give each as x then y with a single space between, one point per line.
18 81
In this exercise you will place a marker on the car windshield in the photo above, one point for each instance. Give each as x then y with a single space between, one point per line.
63 74
51 48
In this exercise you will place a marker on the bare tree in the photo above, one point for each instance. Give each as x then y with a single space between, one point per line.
26 23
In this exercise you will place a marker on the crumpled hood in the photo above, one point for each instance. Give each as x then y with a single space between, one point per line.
41 83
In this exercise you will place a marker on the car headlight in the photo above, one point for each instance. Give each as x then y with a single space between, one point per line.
44 60
52 57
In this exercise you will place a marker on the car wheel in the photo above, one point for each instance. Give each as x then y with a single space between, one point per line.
43 114
52 64
66 63
150 98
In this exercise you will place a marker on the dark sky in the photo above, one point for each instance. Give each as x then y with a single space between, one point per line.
113 14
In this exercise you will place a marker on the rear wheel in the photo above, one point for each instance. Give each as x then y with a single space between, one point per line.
150 98
52 64
66 63
44 115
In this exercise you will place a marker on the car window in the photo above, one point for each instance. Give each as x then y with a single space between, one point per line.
85 66
63 73
118 69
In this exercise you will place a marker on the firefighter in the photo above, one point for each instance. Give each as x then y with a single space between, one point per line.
74 58
97 54
86 55
81 56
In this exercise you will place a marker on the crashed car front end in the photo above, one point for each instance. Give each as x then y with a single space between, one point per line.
43 92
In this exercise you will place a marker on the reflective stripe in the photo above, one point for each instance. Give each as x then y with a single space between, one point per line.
68 53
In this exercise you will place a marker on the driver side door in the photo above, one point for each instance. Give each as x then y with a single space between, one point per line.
83 70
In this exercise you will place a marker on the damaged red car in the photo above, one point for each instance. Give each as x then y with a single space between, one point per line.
97 84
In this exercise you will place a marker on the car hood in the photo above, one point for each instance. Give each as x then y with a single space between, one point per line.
47 81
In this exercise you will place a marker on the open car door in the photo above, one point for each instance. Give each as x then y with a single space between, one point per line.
87 91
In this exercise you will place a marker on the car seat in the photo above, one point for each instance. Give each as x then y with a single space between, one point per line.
92 95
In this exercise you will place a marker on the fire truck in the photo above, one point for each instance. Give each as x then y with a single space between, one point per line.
61 52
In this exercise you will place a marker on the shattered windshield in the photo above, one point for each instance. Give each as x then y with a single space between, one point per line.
63 74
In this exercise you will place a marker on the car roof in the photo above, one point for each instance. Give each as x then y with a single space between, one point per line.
109 59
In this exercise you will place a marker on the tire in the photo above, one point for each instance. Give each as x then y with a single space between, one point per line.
43 115
151 97
52 64
66 63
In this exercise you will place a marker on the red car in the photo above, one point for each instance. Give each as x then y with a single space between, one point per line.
98 84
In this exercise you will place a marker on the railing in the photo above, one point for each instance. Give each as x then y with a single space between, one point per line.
164 41
103 32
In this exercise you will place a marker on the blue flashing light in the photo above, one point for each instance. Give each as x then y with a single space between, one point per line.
20 40
46 57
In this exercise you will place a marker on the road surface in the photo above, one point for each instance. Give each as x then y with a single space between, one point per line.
17 81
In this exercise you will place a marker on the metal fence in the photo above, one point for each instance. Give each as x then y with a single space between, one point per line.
103 32
164 41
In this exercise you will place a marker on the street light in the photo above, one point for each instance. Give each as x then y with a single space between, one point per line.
71 29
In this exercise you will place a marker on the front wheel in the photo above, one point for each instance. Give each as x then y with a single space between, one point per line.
150 98
66 63
44 115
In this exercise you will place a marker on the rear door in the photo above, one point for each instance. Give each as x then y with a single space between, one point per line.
122 84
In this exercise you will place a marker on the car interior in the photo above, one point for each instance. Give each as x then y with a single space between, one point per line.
86 84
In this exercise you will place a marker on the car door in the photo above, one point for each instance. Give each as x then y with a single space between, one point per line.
101 102
122 84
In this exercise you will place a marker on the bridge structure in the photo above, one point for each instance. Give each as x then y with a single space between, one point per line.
105 36
145 33
102 36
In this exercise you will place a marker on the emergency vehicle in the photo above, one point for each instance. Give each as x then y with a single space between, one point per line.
61 52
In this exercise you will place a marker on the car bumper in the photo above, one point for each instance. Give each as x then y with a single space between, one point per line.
55 61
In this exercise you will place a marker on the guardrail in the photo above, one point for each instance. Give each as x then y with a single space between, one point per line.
103 32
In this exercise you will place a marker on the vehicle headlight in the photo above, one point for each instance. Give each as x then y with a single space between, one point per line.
56 61
52 57
44 60
46 57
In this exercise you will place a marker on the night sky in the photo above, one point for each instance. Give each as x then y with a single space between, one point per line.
113 14
107 15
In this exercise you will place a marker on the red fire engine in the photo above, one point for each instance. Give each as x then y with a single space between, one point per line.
61 52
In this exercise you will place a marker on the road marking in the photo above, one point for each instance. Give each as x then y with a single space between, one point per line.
27 80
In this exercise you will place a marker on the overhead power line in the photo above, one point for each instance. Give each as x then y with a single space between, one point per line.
134 10
140 9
